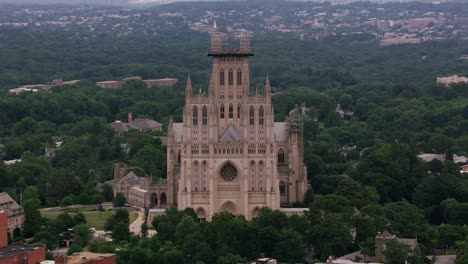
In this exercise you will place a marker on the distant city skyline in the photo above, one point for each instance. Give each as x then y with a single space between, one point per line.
156 2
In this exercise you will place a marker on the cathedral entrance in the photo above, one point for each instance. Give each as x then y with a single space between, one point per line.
229 207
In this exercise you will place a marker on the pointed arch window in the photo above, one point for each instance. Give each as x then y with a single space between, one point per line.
282 187
195 116
231 77
252 116
231 111
239 77
221 77
261 117
239 111
204 116
281 156
221 111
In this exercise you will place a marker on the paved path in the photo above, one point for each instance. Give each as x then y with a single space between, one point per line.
135 227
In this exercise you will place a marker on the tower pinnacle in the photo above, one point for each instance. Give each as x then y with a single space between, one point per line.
188 88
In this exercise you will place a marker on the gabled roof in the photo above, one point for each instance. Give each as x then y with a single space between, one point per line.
230 134
411 242
145 123
119 126
385 234
9 204
132 178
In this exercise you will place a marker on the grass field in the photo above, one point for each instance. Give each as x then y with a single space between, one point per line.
94 219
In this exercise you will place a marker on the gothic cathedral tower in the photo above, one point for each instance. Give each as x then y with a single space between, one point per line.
228 154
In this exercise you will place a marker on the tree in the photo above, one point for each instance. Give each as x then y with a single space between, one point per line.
68 200
107 192
122 216
31 205
357 194
450 234
331 236
119 200
66 220
79 218
61 183
396 253
346 102
48 237
121 232
74 248
81 234
144 230
406 220
185 228
289 248
330 204
231 259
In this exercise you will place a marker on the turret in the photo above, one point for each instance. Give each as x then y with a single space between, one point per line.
267 88
216 42
188 90
170 132
244 43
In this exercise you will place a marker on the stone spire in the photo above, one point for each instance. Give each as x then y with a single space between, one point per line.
170 131
211 88
267 87
188 89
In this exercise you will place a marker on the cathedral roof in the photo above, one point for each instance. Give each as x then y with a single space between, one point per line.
230 134
281 129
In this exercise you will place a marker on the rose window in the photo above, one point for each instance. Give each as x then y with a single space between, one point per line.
228 172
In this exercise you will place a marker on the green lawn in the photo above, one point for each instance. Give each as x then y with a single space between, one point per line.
95 219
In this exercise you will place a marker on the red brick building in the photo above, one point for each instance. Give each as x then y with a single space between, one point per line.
18 253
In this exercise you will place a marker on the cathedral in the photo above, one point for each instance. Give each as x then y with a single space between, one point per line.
228 154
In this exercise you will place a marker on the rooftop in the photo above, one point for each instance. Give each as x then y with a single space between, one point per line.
18 248
81 257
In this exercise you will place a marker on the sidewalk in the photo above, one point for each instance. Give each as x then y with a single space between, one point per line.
135 227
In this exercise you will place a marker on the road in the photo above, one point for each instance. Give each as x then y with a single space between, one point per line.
135 227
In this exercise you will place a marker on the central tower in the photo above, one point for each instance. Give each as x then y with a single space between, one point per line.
230 79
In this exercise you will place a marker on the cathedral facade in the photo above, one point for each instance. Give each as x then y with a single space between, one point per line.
228 154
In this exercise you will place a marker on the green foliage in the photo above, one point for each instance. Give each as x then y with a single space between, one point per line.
357 194
289 248
79 218
121 232
396 253
406 220
81 235
74 248
119 200
31 205
330 236
392 170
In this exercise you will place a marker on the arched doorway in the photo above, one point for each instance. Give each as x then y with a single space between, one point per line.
255 213
229 207
201 215
154 200
163 199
